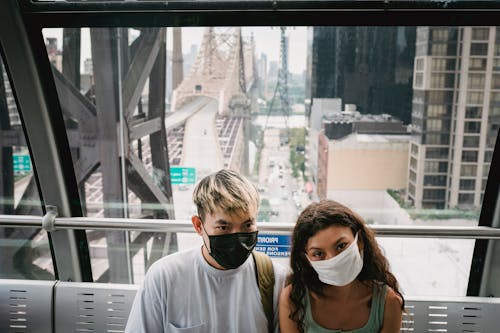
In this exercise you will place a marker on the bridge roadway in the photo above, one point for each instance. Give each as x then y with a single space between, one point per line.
201 148
180 116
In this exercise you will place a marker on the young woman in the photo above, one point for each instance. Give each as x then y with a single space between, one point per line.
340 279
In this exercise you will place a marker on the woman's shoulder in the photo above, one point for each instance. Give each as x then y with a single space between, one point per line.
285 293
393 311
392 299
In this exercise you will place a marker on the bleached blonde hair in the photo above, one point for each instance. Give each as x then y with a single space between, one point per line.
226 191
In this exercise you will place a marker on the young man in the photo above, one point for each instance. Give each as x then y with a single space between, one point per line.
213 288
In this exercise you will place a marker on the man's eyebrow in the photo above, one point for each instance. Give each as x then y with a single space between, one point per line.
222 221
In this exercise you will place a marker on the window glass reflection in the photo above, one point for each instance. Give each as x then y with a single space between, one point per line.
24 252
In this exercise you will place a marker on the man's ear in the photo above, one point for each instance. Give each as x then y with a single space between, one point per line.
196 221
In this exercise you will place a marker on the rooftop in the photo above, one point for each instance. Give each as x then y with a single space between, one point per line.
356 116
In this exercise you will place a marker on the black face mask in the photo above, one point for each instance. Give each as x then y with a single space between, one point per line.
231 250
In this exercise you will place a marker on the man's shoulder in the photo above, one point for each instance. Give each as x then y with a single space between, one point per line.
280 270
174 262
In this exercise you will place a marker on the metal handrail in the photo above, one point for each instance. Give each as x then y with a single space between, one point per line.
152 225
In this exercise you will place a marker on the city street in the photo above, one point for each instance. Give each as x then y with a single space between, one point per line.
285 193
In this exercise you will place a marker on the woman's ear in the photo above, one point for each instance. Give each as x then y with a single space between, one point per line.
196 221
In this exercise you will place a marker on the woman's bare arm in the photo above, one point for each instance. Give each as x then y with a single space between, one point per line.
393 313
285 307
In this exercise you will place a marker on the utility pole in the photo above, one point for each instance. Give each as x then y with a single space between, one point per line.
282 83
283 74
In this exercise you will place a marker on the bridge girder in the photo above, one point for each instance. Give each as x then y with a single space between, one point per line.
222 70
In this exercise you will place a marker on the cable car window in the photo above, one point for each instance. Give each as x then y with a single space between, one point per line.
344 113
24 252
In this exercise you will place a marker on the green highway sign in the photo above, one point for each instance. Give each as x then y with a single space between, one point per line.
21 163
180 175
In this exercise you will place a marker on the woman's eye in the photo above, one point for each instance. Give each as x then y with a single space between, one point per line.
221 228
317 254
341 246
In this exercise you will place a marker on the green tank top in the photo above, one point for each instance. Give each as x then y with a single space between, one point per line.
373 325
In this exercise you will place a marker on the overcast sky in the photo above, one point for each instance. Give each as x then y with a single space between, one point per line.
267 40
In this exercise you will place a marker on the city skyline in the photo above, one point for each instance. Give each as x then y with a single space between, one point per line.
266 41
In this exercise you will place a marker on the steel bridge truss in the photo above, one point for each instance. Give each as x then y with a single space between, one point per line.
106 127
219 71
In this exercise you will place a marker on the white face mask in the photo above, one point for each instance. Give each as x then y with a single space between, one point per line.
341 269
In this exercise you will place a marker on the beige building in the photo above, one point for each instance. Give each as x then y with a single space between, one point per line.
455 115
363 162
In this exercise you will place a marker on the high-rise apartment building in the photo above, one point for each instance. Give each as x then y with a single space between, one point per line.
189 59
262 73
367 66
455 115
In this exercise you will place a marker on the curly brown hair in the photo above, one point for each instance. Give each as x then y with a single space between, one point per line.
317 217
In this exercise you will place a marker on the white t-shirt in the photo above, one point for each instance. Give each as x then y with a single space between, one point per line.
183 293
